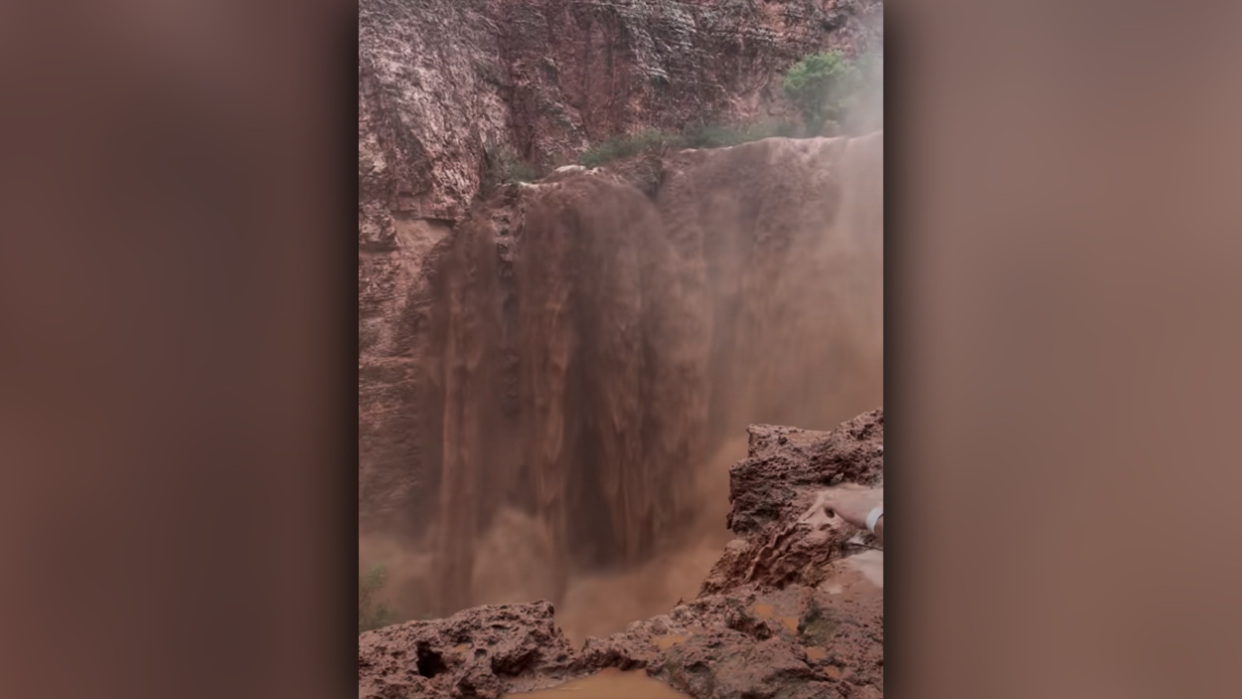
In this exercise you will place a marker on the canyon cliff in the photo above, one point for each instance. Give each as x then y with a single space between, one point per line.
446 87
568 387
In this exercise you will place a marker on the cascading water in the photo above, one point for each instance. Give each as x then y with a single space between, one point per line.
594 354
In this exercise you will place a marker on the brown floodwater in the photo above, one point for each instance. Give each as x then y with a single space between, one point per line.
584 362
608 684
668 641
584 394
766 611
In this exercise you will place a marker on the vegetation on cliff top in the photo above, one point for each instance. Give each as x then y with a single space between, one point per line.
825 88
503 165
699 135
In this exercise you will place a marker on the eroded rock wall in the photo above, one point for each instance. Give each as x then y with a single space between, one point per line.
775 486
446 85
441 80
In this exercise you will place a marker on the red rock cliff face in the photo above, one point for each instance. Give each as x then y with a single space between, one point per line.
441 79
441 82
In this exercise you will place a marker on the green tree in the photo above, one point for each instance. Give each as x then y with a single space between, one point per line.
372 614
822 86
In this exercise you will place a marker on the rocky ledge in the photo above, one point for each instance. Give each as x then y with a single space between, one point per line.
793 609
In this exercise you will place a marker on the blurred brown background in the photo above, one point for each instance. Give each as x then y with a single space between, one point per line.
1064 350
177 391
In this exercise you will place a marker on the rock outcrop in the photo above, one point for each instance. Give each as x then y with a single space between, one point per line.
793 610
451 89
481 652
772 490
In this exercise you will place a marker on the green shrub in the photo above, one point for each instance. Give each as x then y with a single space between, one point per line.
822 86
520 171
712 135
373 614
503 165
696 135
624 146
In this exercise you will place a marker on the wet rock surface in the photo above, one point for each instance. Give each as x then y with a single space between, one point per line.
453 94
789 612
772 490
479 652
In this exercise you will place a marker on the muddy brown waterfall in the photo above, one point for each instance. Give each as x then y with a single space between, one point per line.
591 345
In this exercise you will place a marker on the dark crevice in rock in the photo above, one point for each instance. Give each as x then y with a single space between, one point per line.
429 663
